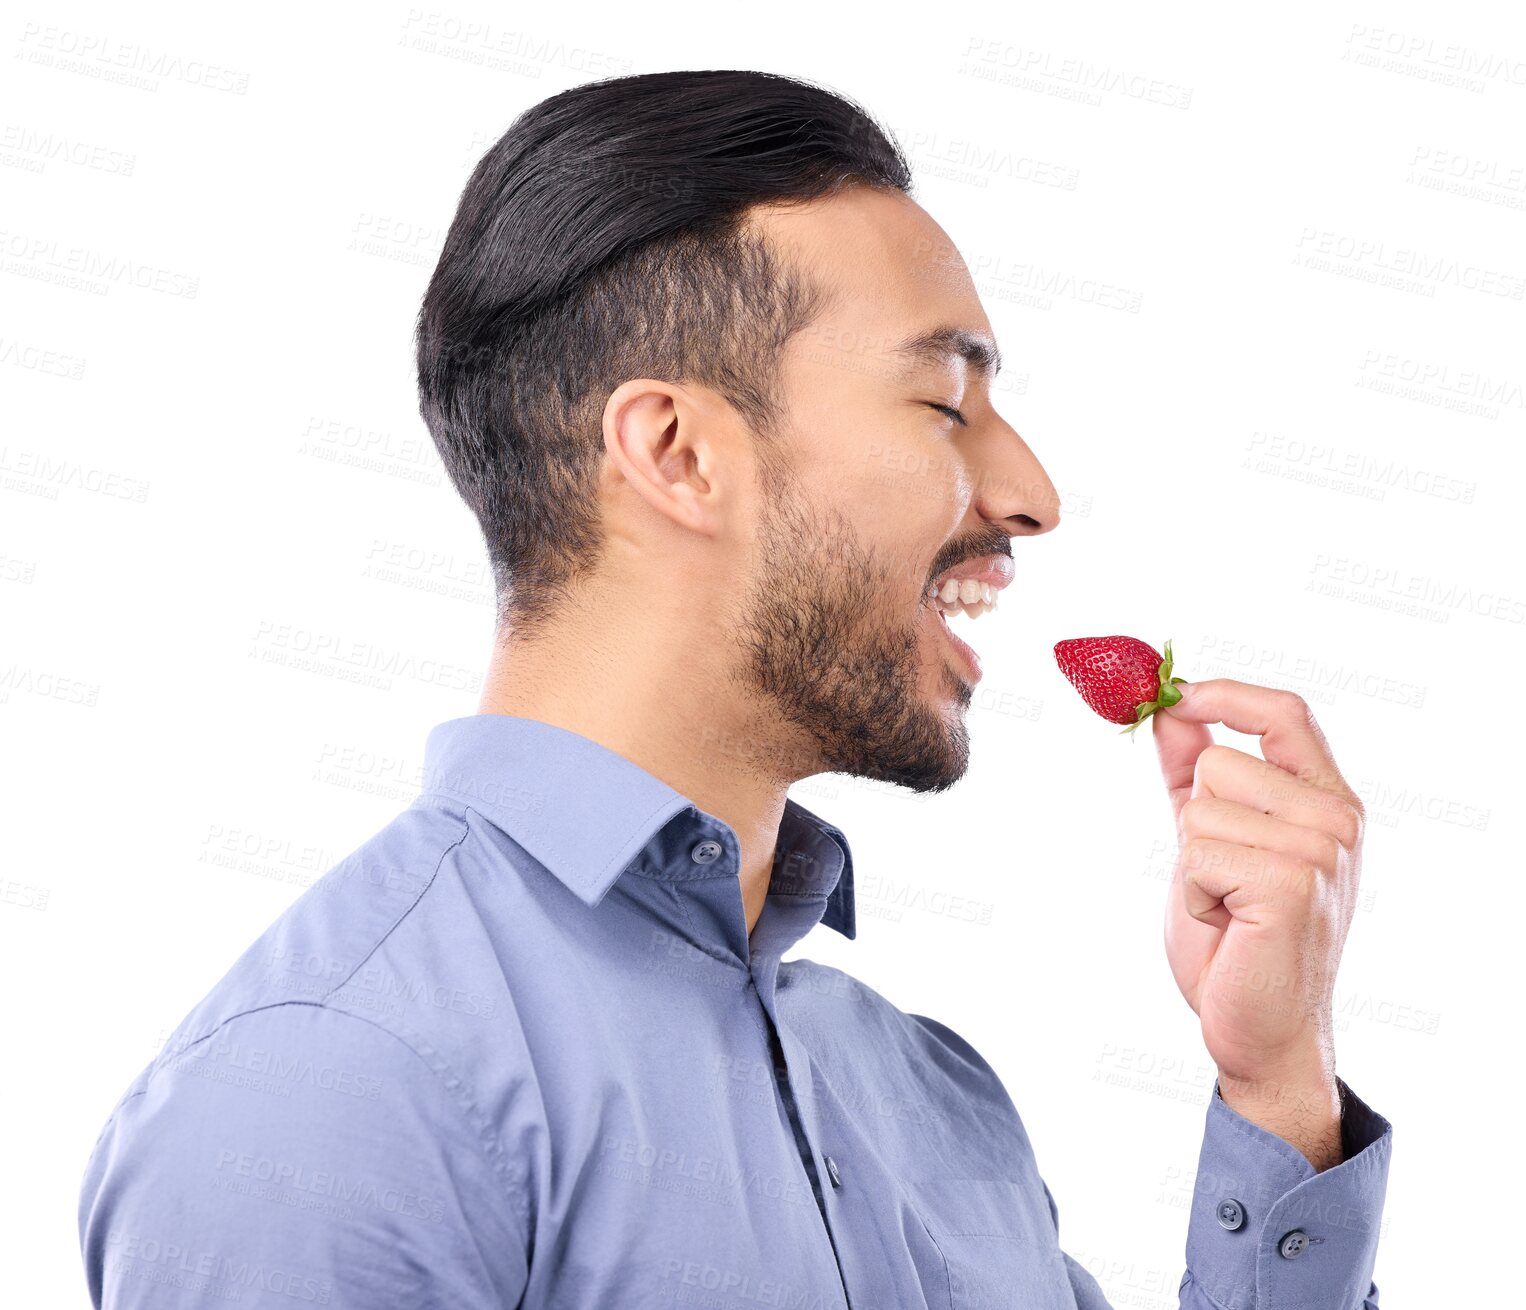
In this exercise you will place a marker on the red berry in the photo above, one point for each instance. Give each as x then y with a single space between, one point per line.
1119 676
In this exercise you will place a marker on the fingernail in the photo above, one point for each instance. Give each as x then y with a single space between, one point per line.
1188 690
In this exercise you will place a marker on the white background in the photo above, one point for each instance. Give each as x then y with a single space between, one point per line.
1255 334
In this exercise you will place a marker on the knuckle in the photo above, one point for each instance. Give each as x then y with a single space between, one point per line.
1286 878
1213 756
1356 824
1295 706
1330 854
1197 854
1304 875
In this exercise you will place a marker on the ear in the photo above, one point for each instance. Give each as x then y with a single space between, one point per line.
656 439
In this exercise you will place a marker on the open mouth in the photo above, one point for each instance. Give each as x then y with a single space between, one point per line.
971 599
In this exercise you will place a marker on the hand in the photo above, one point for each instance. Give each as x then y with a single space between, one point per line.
1261 899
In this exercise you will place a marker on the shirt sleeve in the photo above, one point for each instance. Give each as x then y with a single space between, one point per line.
1253 1193
299 1155
1268 1232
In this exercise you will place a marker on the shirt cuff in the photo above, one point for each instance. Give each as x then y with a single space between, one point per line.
1267 1232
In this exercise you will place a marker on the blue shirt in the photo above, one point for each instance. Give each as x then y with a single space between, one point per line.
519 1050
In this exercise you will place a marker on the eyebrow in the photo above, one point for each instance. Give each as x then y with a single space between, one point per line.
938 345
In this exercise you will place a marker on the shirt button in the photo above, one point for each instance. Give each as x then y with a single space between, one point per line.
1231 1214
706 852
1293 1245
832 1171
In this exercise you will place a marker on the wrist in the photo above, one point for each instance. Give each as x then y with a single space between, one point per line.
1304 1110
1300 1072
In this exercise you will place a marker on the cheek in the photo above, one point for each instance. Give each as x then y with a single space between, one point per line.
907 505
924 485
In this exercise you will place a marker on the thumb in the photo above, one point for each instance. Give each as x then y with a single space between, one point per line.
1178 743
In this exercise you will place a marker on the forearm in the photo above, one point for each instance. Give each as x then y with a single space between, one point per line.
1305 1114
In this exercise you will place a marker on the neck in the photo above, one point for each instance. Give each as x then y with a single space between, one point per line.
665 712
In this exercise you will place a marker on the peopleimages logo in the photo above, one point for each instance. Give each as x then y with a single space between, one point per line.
328 973
334 655
94 270
135 1255
319 1182
1430 59
103 57
1421 265
1067 76
183 1053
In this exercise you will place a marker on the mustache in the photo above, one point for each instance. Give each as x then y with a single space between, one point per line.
957 553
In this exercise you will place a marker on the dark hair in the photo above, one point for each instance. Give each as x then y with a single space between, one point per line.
604 237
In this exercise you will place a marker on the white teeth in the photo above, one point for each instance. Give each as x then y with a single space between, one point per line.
963 597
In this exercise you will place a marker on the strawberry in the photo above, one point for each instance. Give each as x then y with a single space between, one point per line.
1124 680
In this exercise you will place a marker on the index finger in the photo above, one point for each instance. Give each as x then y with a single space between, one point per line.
1291 738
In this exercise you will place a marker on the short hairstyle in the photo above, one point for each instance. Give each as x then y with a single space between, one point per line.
605 237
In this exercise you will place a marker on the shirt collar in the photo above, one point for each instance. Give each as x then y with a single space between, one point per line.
588 814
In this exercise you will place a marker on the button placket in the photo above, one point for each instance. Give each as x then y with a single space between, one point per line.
805 1150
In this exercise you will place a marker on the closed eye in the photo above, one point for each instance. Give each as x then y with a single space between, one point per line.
952 413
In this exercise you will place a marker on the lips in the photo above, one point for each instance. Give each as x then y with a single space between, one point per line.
962 649
997 570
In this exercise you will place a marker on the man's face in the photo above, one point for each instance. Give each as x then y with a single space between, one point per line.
885 493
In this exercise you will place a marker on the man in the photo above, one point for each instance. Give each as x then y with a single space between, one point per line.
718 392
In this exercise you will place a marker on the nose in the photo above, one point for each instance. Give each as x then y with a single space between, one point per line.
1011 487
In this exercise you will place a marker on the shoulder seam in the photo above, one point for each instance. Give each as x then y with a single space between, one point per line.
450 1083
381 941
181 1048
